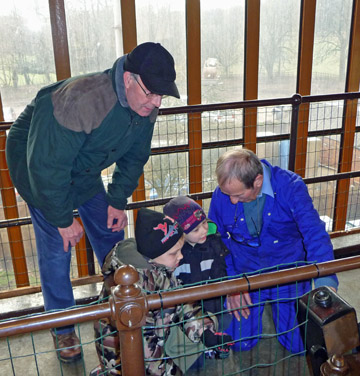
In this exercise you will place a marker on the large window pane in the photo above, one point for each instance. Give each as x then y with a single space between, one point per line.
322 157
222 50
94 30
210 158
166 175
170 130
163 21
222 125
323 196
326 115
332 27
26 54
279 38
353 212
273 120
273 152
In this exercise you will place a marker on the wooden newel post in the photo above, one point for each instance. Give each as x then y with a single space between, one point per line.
341 365
335 365
128 310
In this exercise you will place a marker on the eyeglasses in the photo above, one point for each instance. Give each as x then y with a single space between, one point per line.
149 95
238 238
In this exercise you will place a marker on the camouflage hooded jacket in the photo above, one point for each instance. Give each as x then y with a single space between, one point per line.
152 278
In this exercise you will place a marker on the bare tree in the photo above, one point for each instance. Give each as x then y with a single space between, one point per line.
223 36
332 32
15 57
278 31
91 36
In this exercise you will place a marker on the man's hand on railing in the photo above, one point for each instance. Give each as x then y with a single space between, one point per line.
234 302
220 343
71 234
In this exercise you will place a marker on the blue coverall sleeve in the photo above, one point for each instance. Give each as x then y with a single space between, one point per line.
316 240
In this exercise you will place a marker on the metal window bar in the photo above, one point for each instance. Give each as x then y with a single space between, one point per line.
183 155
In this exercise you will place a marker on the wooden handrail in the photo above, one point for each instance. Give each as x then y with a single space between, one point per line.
183 295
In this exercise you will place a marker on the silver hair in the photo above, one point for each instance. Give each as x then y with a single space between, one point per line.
241 164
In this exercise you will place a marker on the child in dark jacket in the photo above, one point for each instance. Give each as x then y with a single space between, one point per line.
204 252
155 254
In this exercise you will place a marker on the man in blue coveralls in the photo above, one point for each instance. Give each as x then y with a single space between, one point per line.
266 218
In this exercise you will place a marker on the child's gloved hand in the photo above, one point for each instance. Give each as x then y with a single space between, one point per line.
219 342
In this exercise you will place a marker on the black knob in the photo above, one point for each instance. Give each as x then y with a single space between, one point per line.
323 298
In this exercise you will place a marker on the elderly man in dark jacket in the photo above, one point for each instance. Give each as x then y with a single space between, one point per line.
57 149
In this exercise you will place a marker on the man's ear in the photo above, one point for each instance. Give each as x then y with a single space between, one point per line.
127 79
258 181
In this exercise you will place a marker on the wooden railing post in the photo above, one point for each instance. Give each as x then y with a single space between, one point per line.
128 309
335 365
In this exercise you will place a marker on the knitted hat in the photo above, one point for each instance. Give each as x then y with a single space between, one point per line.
186 211
155 234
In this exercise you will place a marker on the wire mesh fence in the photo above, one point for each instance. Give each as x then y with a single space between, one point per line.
185 148
35 353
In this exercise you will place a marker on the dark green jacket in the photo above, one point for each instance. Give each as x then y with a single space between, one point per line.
70 132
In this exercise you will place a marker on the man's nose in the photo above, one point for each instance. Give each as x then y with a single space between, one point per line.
156 100
234 200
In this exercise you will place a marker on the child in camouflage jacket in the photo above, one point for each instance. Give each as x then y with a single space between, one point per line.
155 254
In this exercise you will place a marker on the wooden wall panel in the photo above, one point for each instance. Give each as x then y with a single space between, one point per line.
59 38
193 43
303 86
251 70
349 120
